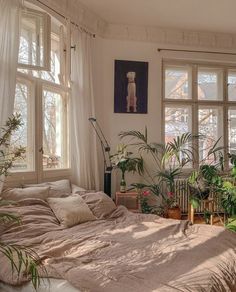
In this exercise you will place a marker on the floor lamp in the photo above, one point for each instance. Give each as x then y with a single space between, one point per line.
106 155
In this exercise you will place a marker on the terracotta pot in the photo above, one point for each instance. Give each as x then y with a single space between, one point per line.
174 213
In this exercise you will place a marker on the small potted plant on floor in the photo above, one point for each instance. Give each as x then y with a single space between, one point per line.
167 182
171 206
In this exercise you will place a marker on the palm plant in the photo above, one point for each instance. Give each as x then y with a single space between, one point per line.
169 159
21 258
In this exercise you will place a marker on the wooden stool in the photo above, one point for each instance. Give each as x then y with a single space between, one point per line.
208 205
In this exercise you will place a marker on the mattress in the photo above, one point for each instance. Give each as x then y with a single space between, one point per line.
46 285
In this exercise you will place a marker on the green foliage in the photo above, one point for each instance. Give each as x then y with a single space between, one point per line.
22 259
125 161
180 149
206 178
228 198
169 160
231 224
7 155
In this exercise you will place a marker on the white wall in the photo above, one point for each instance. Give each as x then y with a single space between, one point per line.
113 123
107 50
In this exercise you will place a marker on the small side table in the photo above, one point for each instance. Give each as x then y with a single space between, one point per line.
208 205
128 199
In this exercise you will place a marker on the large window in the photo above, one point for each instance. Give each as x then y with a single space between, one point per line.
201 99
42 98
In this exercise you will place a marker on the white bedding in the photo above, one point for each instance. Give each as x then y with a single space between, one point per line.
47 285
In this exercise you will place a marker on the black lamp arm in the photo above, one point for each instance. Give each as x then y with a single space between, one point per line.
104 144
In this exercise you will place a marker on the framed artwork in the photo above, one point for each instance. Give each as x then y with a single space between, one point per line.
131 87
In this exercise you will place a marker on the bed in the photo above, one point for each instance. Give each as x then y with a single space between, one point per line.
123 252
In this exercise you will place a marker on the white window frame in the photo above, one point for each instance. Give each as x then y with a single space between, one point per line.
195 103
46 40
38 175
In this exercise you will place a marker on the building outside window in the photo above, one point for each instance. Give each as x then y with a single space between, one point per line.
200 98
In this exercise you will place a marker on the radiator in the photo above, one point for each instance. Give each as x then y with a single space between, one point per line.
182 197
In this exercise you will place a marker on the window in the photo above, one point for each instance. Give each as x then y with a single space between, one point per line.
178 82
42 98
24 136
55 150
200 98
34 45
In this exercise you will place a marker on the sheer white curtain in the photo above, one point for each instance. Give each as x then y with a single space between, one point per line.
84 150
9 46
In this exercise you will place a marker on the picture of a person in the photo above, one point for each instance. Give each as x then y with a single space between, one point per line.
131 99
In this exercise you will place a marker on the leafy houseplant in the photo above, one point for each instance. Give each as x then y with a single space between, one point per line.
168 159
8 154
21 258
124 161
206 178
143 199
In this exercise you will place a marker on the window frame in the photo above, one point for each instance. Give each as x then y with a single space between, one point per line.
225 103
38 174
46 40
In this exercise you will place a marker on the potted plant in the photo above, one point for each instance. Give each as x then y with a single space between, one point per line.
207 216
21 258
124 160
168 159
143 201
167 181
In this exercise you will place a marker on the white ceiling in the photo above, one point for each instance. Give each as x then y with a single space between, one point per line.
204 15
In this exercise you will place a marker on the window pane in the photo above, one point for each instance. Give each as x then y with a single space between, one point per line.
177 82
232 85
55 136
33 48
23 136
55 74
177 121
210 125
210 84
232 130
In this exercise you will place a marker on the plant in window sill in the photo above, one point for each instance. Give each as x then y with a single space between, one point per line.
22 259
124 160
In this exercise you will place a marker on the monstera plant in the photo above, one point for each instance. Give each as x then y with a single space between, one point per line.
21 258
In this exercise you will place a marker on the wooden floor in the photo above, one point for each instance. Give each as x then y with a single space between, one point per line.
198 219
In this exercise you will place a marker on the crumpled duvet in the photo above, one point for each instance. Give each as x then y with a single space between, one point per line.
126 252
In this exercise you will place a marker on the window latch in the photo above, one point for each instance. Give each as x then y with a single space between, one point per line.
41 150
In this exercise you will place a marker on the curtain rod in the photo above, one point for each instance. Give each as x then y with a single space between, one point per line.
196 51
72 22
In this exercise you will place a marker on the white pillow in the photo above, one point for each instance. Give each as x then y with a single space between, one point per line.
99 203
60 188
17 194
71 210
76 190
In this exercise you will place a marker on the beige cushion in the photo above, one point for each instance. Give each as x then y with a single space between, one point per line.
99 203
70 211
76 189
17 194
60 188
